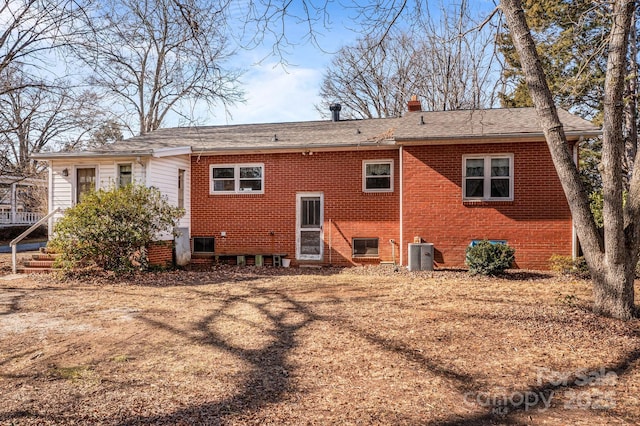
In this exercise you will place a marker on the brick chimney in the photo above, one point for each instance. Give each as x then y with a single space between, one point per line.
414 104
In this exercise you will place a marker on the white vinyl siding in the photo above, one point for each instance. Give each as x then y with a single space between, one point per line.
161 173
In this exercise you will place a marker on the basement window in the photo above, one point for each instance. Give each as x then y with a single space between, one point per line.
377 176
487 177
365 247
237 178
204 244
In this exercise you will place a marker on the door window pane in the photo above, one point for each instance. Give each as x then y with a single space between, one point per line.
310 242
310 214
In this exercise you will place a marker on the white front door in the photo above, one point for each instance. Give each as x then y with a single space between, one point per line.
309 219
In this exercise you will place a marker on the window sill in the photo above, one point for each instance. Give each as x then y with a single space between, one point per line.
487 203
236 194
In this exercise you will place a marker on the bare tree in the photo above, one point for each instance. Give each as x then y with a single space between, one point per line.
442 61
149 56
371 79
35 115
456 55
34 28
611 259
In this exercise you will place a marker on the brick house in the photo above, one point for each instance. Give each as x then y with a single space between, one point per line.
347 192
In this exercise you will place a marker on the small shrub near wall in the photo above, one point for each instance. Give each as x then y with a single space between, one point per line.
567 265
487 258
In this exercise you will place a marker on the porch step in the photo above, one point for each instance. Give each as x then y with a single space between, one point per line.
26 270
45 256
40 263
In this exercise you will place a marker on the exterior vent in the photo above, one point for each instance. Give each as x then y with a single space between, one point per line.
335 111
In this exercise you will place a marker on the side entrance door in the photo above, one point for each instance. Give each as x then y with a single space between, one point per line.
309 220
85 181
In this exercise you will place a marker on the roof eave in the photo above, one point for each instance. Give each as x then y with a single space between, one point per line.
386 144
157 153
93 154
492 138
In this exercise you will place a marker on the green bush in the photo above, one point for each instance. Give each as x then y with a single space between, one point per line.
489 259
567 265
110 228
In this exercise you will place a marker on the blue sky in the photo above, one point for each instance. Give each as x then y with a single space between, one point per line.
279 93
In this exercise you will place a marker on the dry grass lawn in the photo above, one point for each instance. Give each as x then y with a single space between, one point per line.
331 346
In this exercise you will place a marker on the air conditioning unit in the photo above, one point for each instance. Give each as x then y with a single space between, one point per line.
420 257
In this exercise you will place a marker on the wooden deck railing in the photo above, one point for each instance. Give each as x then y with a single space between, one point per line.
19 218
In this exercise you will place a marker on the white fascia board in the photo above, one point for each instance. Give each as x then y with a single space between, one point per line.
168 152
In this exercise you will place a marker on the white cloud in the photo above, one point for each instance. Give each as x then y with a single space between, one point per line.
274 94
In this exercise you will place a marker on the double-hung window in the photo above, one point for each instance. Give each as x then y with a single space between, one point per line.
377 176
237 178
487 177
125 175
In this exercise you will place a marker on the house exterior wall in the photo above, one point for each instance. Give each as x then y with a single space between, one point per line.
161 173
266 223
537 223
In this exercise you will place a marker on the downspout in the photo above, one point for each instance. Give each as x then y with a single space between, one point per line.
50 201
400 166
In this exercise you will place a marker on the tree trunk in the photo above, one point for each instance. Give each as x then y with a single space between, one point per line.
610 259
631 104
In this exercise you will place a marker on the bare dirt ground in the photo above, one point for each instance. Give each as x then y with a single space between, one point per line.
330 346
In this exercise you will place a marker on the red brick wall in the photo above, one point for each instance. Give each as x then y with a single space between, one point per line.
537 223
266 223
160 253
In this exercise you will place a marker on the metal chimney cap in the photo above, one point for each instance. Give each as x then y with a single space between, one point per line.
335 107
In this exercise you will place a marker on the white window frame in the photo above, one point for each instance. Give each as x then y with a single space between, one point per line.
364 175
236 178
118 165
487 177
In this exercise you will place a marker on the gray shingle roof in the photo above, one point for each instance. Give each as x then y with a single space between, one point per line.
438 127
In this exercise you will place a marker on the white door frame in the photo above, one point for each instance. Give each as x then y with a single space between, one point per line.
320 229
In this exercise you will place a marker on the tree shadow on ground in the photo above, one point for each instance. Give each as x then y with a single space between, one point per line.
267 380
